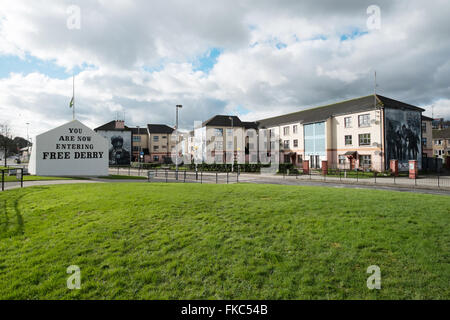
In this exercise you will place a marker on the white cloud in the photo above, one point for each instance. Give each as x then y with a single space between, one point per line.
277 57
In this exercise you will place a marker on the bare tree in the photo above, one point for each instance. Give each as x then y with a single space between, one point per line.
5 139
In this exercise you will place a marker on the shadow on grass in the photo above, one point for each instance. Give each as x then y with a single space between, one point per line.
9 228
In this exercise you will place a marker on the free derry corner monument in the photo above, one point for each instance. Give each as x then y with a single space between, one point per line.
72 149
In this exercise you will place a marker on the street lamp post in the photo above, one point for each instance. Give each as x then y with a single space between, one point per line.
139 155
178 106
232 137
28 138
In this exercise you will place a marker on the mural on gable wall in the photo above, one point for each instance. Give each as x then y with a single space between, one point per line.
119 146
403 137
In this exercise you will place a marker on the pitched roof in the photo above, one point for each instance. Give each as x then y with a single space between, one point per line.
223 121
441 134
159 128
250 125
345 107
425 118
141 130
111 126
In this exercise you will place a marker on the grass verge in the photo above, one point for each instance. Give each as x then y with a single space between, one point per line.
190 241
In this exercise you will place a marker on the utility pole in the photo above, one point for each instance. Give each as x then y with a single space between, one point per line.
232 136
28 138
178 106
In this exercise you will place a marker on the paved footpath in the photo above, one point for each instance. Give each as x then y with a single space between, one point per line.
245 178
265 179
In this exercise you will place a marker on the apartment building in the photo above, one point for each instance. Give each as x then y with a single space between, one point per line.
140 141
441 143
362 133
119 137
161 142
427 137
225 139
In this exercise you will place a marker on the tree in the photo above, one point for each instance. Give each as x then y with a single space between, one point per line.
6 142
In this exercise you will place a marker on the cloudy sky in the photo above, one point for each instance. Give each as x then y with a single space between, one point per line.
261 58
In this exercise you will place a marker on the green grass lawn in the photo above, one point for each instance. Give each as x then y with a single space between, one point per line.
33 178
191 241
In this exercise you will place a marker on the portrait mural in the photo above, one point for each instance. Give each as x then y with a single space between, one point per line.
119 146
403 137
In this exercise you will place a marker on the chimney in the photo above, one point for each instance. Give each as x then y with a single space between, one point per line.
120 124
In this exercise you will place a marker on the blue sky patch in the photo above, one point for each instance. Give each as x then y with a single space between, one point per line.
207 61
280 45
353 35
241 110
30 64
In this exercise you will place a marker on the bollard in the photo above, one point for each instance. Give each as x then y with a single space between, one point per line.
3 181
216 177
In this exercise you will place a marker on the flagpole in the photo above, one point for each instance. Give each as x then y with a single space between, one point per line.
73 97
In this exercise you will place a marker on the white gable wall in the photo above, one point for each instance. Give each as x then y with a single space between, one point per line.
72 149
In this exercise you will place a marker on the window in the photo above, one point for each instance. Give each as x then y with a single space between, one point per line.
164 137
300 158
348 140
271 133
135 148
342 159
286 144
155 148
295 143
424 127
287 158
295 129
365 160
364 139
438 142
136 138
155 138
364 120
230 145
286 131
155 158
218 145
424 141
218 132
229 132
164 147
348 122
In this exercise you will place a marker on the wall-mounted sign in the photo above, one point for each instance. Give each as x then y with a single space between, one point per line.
72 149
